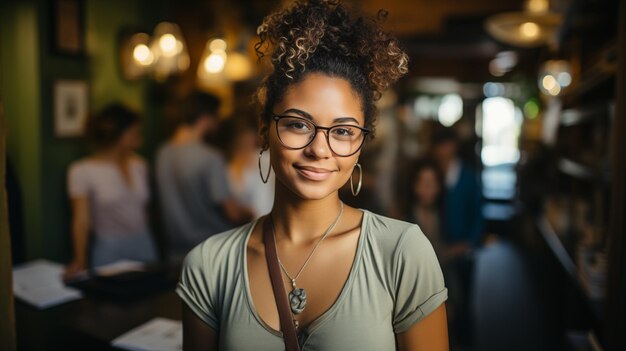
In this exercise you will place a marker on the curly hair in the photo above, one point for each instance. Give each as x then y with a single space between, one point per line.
321 36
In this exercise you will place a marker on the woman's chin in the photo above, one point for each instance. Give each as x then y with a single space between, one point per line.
313 191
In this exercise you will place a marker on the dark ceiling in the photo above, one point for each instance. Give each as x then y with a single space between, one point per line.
444 38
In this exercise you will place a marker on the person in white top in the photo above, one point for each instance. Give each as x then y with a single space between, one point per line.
109 193
243 173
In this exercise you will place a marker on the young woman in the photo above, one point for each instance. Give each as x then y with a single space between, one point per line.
109 193
425 200
356 280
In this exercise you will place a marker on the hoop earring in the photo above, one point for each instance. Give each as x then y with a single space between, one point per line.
267 177
358 187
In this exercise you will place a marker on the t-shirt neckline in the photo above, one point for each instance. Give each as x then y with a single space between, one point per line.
321 319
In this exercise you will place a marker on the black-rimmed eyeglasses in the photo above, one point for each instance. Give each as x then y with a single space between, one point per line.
297 133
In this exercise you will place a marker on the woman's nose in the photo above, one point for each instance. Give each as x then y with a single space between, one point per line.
319 146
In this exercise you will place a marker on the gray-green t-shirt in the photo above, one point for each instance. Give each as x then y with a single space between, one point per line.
395 281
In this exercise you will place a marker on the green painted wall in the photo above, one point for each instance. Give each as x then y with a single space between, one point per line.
29 72
22 102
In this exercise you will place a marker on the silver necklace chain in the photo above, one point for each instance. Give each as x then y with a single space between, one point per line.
330 229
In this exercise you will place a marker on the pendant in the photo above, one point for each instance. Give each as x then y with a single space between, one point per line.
297 298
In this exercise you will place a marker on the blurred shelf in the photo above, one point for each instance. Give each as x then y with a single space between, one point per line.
577 116
601 73
583 172
558 248
556 245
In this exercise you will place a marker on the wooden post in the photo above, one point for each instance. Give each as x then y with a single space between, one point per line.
616 285
7 310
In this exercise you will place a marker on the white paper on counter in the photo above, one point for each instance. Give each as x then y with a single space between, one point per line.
158 334
40 284
119 267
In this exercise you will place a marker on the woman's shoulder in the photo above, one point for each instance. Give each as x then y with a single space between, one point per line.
219 250
82 165
82 162
387 226
393 235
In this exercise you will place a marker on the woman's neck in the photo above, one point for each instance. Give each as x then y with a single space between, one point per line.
300 221
186 134
114 154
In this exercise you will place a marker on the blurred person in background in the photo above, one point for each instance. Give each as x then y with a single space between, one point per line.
194 192
463 220
109 195
243 152
425 202
463 228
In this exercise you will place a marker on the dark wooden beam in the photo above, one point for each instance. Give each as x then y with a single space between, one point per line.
7 311
616 287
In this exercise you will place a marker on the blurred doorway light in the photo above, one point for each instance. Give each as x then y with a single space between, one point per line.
450 110
500 131
493 89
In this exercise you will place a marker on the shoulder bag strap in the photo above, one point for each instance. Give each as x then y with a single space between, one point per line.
284 311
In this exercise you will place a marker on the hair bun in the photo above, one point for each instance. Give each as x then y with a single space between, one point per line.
291 36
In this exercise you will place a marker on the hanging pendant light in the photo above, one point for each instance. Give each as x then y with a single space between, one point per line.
170 51
239 66
136 58
213 62
218 64
536 26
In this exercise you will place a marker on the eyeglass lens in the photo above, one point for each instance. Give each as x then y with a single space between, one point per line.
296 133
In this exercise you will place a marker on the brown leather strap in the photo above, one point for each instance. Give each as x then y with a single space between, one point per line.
284 311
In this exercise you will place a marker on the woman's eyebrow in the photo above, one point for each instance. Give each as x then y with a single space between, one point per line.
345 119
299 112
308 116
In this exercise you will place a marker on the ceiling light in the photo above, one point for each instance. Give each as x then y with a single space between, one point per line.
536 26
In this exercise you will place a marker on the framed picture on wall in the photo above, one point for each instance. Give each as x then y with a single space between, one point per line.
68 32
71 100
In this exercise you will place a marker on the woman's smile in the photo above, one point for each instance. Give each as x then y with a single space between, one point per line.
313 173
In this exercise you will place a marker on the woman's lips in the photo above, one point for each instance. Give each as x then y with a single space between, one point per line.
313 173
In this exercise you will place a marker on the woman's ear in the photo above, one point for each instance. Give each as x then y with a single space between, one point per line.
264 136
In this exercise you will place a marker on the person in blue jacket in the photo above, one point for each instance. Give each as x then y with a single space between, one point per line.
463 227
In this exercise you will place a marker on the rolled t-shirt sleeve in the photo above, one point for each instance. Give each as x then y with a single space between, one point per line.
77 181
419 283
194 287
